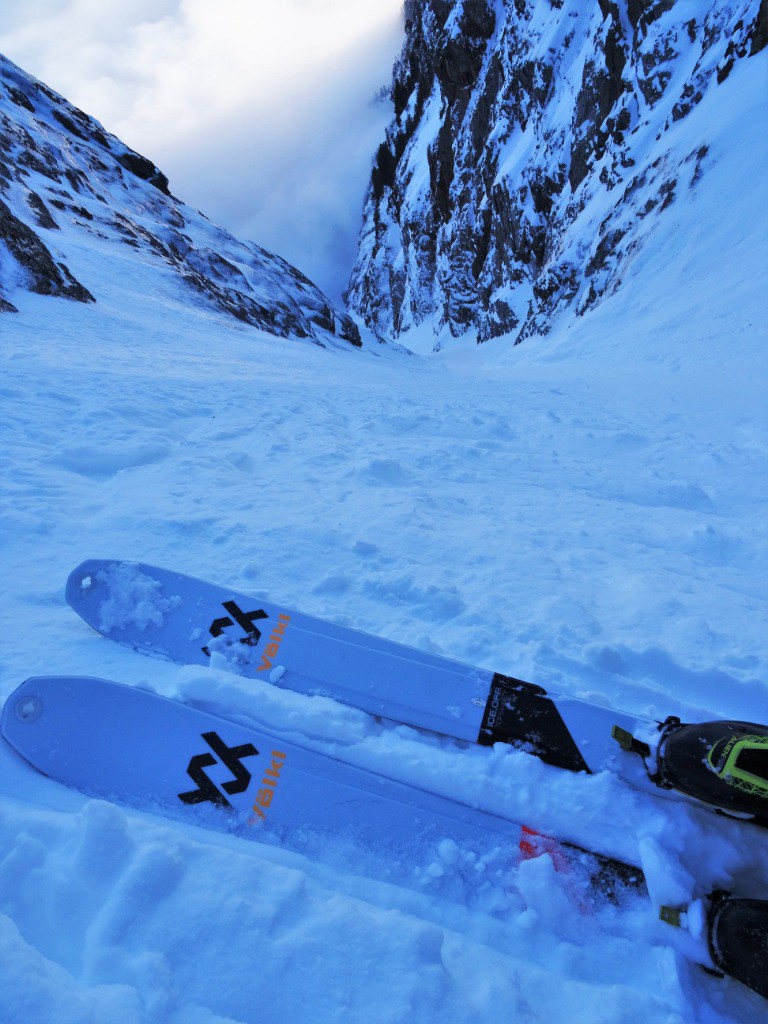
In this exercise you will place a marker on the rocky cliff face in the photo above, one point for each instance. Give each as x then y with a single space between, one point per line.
72 194
532 150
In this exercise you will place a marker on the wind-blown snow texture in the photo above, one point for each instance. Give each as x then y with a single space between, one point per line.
537 147
588 512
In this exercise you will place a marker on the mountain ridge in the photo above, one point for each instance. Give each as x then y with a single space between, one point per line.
67 184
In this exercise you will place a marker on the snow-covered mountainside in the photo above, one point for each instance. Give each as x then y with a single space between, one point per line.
535 149
587 513
72 195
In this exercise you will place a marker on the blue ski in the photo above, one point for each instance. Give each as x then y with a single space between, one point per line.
186 620
143 750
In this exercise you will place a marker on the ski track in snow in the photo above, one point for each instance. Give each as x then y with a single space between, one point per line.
587 512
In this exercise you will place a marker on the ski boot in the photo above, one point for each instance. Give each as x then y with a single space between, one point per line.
721 763
736 933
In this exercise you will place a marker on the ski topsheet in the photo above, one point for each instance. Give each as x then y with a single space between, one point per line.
138 748
188 621
185 620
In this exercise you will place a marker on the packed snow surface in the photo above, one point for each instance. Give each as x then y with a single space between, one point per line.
587 511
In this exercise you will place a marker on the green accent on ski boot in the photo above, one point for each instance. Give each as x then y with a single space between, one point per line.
628 742
724 763
671 915
742 762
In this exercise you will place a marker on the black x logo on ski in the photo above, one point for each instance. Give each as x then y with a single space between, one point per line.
243 619
232 758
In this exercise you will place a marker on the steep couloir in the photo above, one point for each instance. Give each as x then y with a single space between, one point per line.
533 147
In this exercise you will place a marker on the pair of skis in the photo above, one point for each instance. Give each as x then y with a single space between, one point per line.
115 741
165 614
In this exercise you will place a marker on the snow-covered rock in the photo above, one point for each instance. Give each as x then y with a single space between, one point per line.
70 191
531 155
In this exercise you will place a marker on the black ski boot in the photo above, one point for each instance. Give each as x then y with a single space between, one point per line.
735 933
738 939
721 763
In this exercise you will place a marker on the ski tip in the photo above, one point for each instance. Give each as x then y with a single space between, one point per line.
83 580
24 708
80 580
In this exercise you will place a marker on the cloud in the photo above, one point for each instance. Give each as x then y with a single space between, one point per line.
263 113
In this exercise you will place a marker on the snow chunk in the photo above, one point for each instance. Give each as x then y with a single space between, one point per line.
134 599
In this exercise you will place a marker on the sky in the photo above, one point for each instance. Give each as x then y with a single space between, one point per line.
264 114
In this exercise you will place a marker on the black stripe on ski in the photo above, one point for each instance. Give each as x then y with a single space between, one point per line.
521 713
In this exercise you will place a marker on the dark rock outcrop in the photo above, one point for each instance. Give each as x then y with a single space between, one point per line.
39 272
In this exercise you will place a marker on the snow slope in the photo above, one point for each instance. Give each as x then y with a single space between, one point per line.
588 513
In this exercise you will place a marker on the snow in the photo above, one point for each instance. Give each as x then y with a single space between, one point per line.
134 599
587 511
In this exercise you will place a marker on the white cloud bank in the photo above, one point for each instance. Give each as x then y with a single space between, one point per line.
263 113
